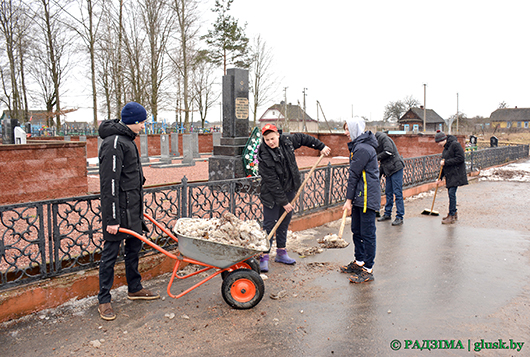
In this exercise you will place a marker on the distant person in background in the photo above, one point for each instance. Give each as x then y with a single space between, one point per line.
363 199
121 181
280 180
391 166
453 170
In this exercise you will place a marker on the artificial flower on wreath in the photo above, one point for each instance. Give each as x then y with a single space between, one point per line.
250 153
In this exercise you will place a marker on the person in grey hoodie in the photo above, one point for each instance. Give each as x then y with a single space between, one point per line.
363 199
391 165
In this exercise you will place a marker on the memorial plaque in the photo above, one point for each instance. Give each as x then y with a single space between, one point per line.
241 108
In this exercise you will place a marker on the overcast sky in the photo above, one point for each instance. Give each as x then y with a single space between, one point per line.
355 57
361 55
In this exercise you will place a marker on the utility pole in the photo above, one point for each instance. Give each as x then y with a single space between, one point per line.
304 127
457 113
424 106
318 121
285 120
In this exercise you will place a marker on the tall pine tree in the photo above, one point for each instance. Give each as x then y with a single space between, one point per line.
227 43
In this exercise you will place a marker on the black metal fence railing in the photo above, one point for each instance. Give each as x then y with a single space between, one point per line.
48 238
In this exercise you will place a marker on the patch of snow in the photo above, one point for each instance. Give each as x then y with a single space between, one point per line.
515 172
92 160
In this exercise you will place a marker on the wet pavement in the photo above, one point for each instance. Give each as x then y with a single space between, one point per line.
442 290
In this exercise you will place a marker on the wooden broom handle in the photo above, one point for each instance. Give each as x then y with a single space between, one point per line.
436 189
295 198
343 223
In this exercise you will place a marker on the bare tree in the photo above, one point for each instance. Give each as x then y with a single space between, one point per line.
159 23
23 45
6 93
106 63
11 15
204 87
395 110
110 66
410 102
135 68
502 105
187 28
39 69
87 26
175 82
118 77
56 42
262 85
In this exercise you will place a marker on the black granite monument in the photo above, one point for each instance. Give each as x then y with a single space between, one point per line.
227 161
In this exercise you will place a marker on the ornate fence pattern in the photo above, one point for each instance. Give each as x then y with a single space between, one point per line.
48 238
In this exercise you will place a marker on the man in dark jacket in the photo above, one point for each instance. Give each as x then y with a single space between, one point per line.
454 170
280 180
363 199
121 181
391 165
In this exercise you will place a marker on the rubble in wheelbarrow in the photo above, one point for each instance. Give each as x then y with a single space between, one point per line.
227 230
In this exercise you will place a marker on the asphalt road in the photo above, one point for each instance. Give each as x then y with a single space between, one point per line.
439 290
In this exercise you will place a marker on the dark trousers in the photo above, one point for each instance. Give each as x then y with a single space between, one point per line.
363 229
394 188
452 200
271 216
106 267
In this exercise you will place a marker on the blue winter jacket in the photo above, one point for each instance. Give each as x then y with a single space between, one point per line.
363 182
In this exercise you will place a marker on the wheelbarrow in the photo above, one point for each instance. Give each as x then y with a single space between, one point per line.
242 286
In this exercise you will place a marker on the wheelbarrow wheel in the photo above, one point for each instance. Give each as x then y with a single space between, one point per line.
243 289
250 263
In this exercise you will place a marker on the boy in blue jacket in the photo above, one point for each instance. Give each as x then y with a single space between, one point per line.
363 199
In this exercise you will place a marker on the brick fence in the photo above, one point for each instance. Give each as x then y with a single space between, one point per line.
42 171
49 168
153 143
409 145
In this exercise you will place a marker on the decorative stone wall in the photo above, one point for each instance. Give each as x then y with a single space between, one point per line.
408 145
414 145
49 169
153 143
42 171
